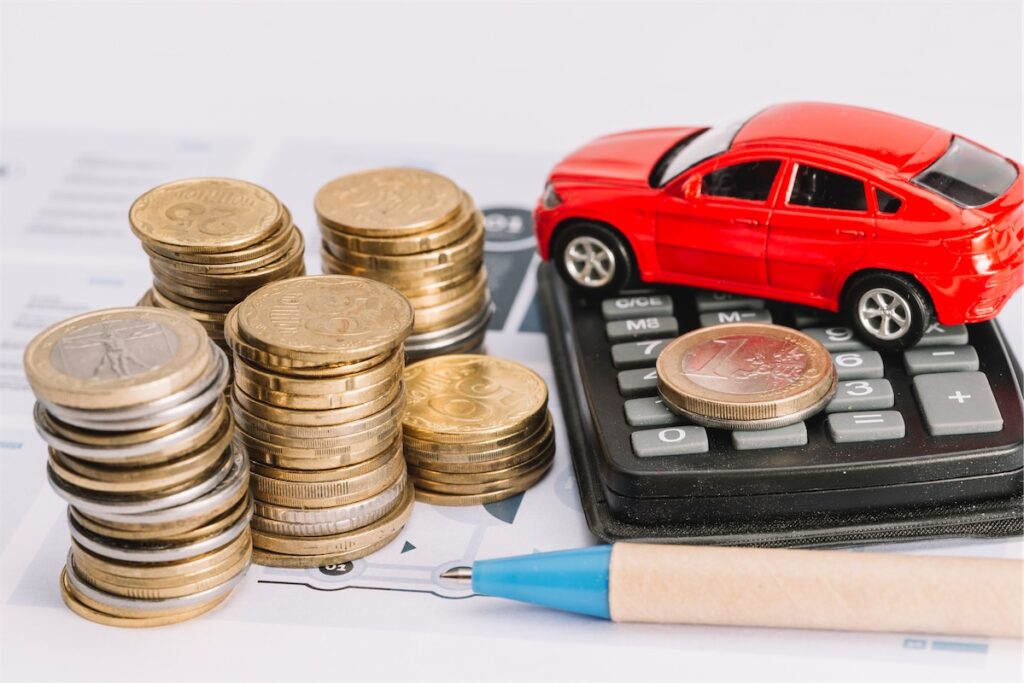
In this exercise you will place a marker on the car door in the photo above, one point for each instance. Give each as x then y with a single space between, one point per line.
819 230
712 224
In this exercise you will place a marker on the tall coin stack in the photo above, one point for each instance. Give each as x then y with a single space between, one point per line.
420 233
131 402
318 401
211 242
476 429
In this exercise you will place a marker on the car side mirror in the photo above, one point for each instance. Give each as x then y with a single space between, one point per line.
690 188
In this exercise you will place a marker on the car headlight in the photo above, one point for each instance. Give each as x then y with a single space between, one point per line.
550 199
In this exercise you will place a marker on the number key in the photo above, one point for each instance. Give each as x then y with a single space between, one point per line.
861 394
637 354
651 443
836 338
641 382
858 364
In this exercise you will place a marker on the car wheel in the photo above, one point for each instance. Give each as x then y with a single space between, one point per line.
889 311
593 259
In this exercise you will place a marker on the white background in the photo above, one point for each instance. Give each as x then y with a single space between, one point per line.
537 78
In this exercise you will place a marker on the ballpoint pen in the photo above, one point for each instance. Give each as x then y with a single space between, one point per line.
814 589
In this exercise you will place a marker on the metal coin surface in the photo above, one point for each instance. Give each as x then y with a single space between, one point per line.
205 215
388 202
746 376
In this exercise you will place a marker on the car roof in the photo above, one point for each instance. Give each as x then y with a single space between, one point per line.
872 138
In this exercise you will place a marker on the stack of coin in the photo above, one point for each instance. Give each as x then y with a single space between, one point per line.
420 233
318 402
131 402
211 242
476 429
746 376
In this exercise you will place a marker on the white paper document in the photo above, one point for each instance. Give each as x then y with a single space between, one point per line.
66 249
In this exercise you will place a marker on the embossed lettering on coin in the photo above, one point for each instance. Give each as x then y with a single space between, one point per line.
114 349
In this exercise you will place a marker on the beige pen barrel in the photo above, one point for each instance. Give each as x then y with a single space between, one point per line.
817 589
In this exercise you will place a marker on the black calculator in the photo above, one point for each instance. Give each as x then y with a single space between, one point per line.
923 443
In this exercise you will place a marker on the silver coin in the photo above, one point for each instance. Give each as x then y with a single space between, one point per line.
102 597
451 336
305 522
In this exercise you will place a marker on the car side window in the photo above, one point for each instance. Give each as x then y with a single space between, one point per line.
827 190
751 180
887 203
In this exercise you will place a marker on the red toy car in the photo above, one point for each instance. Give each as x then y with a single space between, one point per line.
889 220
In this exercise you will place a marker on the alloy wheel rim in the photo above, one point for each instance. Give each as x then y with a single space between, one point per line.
589 261
885 314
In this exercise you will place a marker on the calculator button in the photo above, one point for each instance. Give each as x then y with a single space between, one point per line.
670 441
622 307
637 354
650 412
836 338
858 364
642 328
866 426
641 382
957 403
724 317
804 316
941 359
781 437
723 301
861 394
944 335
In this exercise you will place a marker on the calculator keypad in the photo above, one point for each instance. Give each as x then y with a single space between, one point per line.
944 369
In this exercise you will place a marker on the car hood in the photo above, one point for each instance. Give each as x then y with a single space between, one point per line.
622 158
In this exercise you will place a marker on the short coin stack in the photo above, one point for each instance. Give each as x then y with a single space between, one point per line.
318 401
476 429
420 233
746 376
211 242
131 402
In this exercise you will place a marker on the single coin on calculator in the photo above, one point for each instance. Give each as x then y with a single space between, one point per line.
746 376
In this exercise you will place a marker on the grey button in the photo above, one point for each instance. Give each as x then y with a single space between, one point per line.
866 426
804 316
641 382
669 441
836 338
723 301
637 354
941 359
724 317
650 412
642 328
958 403
858 364
782 437
622 307
944 335
861 394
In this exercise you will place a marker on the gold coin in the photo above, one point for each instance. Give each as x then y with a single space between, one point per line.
457 291
274 493
147 299
462 398
463 500
331 435
532 430
141 590
212 295
79 607
90 437
265 449
415 282
441 236
298 459
521 478
231 551
314 418
272 559
165 297
388 202
285 474
248 279
501 472
483 460
210 525
349 542
326 318
116 358
470 247
205 215
324 401
274 243
746 376
451 313
391 367
385 431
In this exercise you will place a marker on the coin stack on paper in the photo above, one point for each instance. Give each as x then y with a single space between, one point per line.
746 376
420 233
476 429
318 401
211 242
131 402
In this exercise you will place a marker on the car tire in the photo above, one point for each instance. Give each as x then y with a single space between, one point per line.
889 311
593 259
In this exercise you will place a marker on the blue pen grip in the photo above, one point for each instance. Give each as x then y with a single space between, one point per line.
569 580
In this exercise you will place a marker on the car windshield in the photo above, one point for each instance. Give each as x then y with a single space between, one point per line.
968 175
693 150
